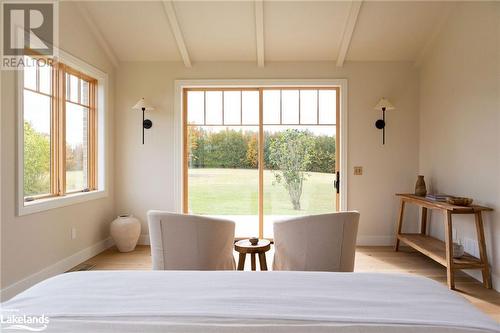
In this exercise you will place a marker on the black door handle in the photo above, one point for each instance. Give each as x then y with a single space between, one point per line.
336 183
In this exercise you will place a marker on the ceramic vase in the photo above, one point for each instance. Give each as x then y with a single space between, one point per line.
420 188
458 250
125 230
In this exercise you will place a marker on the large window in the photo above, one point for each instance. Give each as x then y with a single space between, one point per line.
60 130
256 155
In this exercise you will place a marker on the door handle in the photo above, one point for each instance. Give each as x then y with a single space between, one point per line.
336 183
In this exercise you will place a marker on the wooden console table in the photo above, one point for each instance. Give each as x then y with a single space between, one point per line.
440 251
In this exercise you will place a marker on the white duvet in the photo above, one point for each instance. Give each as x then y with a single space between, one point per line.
229 301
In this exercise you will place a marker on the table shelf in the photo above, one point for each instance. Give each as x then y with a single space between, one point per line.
436 250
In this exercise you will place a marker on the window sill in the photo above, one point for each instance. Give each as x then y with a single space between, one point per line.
26 208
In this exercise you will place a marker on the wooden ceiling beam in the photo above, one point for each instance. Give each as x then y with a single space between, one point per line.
259 31
349 27
176 31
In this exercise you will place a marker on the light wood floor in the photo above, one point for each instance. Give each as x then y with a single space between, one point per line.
368 259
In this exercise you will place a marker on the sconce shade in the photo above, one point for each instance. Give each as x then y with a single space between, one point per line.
384 104
142 104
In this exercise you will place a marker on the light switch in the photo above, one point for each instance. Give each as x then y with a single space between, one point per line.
358 170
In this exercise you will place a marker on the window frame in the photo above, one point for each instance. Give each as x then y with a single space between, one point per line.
97 139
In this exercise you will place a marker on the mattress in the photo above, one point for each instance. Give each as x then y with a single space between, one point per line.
226 301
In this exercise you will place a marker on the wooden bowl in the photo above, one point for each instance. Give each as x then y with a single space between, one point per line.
254 241
459 201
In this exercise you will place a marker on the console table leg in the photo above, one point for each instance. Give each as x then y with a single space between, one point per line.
448 226
423 221
400 223
482 250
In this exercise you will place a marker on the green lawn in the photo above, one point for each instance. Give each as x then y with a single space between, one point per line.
235 192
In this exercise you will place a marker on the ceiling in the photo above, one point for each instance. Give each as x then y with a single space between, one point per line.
288 31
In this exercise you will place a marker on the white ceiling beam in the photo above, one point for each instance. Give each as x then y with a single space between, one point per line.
97 33
259 31
433 37
350 24
176 30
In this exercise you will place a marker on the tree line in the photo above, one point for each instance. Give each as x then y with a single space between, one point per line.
238 149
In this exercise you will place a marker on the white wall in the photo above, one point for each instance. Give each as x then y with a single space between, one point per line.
460 118
36 242
144 173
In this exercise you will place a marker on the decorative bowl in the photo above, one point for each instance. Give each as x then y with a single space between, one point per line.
254 241
459 201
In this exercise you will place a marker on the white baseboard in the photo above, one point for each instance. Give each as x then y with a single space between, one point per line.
55 269
143 240
364 240
495 281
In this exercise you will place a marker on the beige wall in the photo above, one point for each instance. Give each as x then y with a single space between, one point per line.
144 173
34 242
460 118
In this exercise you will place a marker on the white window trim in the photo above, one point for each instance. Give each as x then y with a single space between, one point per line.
178 128
25 208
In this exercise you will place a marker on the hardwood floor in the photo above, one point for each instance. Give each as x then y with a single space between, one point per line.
368 259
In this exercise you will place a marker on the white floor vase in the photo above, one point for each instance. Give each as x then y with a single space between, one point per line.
125 230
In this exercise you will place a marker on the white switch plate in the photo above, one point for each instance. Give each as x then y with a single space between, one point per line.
73 233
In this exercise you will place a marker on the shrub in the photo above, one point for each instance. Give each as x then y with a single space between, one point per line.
291 152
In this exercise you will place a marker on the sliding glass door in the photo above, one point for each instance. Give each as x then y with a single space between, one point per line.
299 128
222 130
256 155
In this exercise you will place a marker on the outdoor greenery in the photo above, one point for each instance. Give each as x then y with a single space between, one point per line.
291 154
37 163
236 192
238 149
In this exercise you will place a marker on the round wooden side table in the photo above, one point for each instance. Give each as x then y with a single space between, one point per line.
244 247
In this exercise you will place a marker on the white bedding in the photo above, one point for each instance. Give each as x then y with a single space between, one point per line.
189 301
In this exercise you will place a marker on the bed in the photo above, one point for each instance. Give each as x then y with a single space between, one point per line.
194 301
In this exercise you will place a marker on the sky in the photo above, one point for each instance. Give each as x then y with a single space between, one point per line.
37 112
37 107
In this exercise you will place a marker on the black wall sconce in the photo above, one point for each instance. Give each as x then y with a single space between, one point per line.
383 105
143 106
